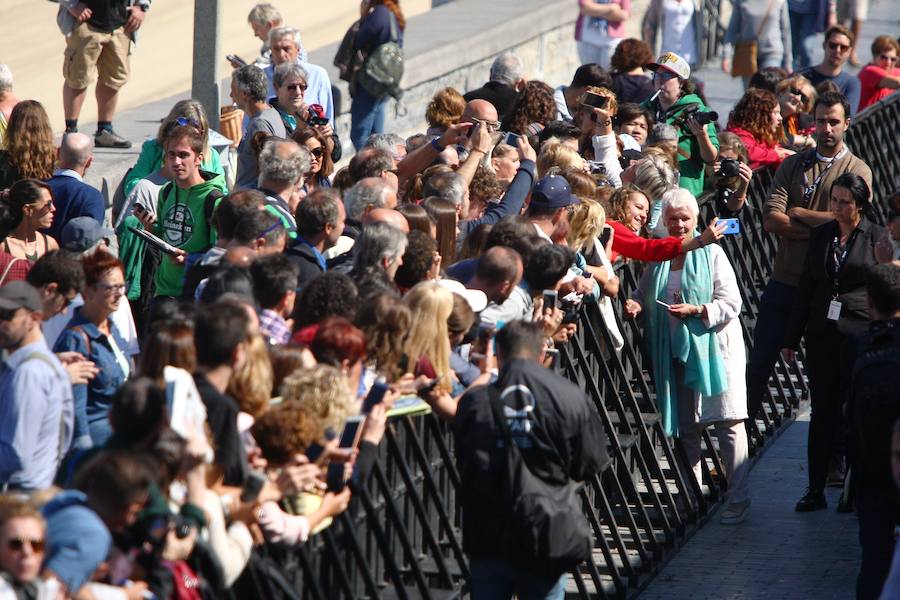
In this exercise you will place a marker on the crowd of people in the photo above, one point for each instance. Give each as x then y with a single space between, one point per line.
210 367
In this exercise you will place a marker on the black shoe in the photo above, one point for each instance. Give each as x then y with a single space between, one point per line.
812 500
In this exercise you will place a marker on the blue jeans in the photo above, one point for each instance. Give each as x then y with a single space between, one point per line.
497 579
803 28
768 337
366 116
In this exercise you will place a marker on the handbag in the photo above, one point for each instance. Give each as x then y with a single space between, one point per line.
744 63
543 523
383 68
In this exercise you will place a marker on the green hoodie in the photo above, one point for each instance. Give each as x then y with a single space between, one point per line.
181 221
691 169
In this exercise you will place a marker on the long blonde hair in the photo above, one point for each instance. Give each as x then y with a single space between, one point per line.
585 224
557 154
429 337
29 141
322 392
251 384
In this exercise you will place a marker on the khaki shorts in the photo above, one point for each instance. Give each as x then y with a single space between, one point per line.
89 51
852 9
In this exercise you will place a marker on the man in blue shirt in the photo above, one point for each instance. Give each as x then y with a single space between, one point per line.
36 402
285 46
72 197
838 42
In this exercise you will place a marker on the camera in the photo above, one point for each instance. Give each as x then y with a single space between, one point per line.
705 118
316 115
729 167
596 167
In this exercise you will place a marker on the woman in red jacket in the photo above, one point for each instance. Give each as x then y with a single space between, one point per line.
756 119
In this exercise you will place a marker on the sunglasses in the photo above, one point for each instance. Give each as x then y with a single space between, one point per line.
664 76
317 152
185 122
18 544
297 86
803 97
836 46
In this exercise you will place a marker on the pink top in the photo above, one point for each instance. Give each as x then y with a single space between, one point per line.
612 30
759 153
869 77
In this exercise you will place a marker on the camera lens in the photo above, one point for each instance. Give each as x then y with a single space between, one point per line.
705 118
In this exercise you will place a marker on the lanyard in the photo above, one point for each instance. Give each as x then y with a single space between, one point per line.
809 190
840 256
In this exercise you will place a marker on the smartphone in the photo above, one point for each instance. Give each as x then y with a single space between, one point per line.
604 235
733 227
550 299
236 61
661 303
429 386
375 396
511 139
253 485
352 430
314 451
334 478
595 100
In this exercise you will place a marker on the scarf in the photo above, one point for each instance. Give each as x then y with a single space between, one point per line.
691 343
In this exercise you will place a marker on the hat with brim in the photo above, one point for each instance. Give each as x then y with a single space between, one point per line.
82 233
672 63
18 294
553 191
476 299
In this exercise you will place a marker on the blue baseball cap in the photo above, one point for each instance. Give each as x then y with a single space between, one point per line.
81 233
553 191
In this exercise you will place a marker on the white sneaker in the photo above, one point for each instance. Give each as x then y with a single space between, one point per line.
735 513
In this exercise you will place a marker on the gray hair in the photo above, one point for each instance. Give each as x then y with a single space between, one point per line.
662 132
679 198
251 80
370 191
386 141
280 32
286 71
283 162
378 241
654 176
264 13
75 150
447 186
507 68
6 79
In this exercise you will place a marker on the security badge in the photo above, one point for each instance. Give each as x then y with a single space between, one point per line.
834 310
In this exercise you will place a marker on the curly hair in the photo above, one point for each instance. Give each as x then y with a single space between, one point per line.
323 392
618 203
535 104
445 108
753 112
484 186
630 54
251 384
386 321
612 107
283 431
29 141
327 294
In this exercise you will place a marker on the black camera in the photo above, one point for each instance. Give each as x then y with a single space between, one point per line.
705 118
729 167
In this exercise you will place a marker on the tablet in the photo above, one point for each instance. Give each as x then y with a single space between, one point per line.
155 240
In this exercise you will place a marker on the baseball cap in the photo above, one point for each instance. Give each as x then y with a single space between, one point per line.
81 233
476 299
17 294
673 63
553 191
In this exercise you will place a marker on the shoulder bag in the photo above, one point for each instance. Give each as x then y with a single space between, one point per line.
744 64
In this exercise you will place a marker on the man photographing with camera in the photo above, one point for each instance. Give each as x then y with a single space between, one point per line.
676 103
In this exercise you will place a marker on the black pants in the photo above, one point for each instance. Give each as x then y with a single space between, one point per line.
768 340
826 422
877 519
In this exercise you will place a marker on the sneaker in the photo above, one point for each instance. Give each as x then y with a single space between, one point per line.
735 513
812 500
107 138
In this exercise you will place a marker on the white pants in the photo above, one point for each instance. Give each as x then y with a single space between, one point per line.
733 447
592 53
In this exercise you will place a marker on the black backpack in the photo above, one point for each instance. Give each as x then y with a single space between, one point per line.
543 523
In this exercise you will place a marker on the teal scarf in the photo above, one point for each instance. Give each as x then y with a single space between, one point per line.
692 343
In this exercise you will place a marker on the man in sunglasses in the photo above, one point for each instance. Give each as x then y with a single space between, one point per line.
36 403
838 42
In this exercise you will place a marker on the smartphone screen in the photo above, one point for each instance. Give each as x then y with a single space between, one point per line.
550 297
334 478
375 396
352 429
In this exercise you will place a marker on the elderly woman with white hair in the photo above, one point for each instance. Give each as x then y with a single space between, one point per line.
692 305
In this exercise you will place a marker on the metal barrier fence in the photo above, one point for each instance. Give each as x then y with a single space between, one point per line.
401 537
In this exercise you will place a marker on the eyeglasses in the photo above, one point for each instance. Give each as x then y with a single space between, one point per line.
803 97
297 86
888 57
317 152
111 287
491 125
18 544
836 46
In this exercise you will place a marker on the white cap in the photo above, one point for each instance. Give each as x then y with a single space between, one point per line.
673 63
476 298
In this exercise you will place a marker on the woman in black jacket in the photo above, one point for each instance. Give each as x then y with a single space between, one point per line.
830 307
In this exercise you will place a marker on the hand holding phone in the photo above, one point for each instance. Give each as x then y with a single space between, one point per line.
732 226
375 396
551 298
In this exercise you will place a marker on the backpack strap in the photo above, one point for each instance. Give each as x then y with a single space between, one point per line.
209 205
7 269
85 337
166 189
393 21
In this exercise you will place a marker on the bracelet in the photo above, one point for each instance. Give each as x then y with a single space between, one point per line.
700 240
437 146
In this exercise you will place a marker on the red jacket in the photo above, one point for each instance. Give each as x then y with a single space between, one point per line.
759 153
630 245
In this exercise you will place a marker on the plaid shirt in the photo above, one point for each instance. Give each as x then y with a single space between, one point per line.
273 327
12 271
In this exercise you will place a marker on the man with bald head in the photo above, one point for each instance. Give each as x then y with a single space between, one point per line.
498 272
72 197
481 110
386 215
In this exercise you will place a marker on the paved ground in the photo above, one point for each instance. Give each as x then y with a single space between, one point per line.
776 553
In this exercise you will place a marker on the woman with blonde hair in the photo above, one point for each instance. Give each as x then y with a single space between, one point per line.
796 96
251 384
428 343
445 109
29 152
323 393
559 155
654 176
